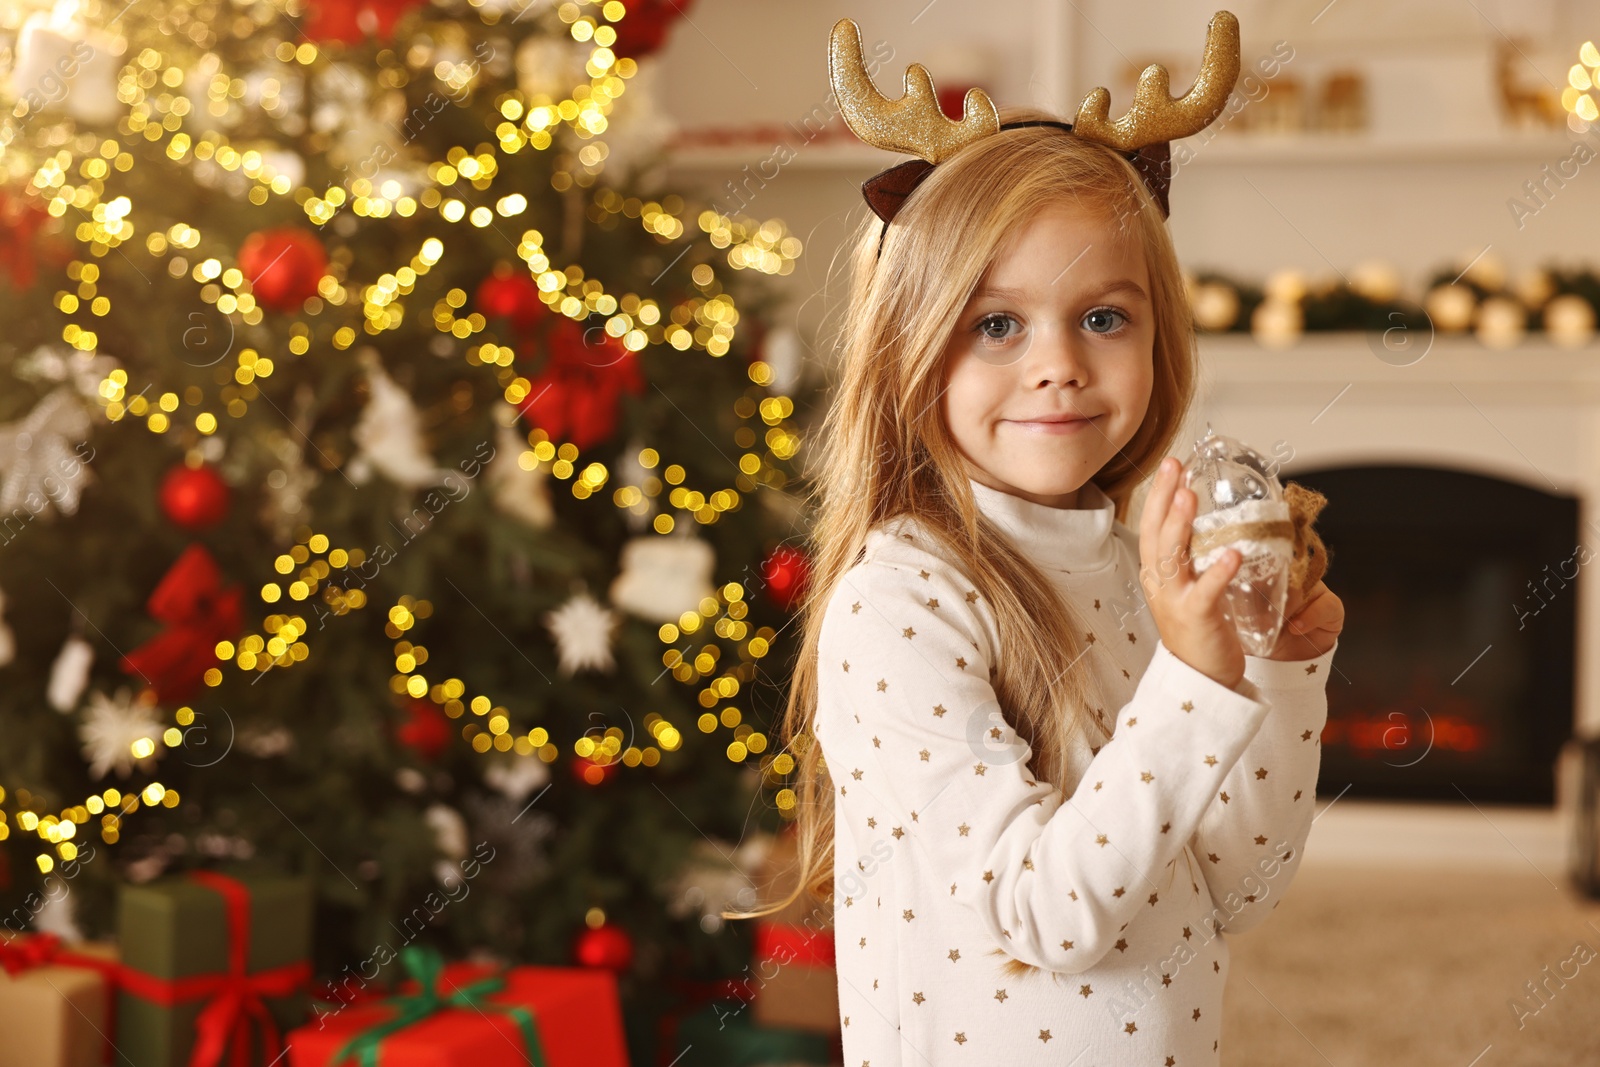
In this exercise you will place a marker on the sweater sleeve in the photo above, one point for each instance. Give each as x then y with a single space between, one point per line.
1252 836
912 734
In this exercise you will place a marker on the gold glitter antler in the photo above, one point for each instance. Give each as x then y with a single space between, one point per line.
912 124
1155 116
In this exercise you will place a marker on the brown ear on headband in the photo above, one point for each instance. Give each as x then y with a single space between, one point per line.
1154 164
886 190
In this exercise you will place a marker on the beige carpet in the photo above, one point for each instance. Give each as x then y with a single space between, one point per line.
1369 965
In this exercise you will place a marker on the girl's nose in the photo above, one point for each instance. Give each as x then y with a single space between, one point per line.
1054 359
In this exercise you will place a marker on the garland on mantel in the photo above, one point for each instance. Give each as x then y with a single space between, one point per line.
1561 304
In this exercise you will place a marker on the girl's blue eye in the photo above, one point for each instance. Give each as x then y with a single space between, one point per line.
996 327
1104 320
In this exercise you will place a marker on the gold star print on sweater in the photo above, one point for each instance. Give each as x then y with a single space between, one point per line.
1120 893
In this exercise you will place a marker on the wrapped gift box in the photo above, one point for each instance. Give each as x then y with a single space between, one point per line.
574 1011
55 1002
186 941
792 975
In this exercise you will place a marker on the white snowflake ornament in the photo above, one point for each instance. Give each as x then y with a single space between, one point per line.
109 728
582 631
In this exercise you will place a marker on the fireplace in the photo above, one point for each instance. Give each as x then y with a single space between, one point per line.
1455 673
1446 641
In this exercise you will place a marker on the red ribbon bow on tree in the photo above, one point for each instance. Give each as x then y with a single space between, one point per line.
575 398
21 221
235 996
198 612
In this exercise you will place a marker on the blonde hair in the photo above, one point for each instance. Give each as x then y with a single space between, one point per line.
885 450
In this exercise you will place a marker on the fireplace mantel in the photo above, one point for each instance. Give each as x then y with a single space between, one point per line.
1530 414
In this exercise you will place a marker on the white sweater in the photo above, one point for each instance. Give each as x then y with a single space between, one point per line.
950 857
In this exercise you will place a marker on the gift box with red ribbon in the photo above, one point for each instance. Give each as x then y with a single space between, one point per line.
214 969
464 1013
792 975
797 986
56 1001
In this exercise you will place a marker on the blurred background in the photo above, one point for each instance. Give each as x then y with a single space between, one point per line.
402 411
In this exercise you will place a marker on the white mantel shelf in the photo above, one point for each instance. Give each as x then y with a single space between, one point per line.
1535 370
1529 414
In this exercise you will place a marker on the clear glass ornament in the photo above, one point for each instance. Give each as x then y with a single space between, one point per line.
1240 504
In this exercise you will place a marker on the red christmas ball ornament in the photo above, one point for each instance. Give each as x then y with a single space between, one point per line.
576 396
283 266
425 731
194 497
606 945
353 21
786 570
512 295
590 772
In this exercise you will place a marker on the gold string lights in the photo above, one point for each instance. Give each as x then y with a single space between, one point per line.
307 568
489 729
60 831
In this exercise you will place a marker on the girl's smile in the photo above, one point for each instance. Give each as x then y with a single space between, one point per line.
1060 424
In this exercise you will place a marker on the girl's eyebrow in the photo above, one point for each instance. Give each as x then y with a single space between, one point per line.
1119 285
1115 285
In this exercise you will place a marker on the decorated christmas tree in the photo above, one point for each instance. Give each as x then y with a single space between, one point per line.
393 478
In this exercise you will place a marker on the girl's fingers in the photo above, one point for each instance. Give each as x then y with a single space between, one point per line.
1156 505
1213 581
1167 552
1157 501
1172 542
1176 530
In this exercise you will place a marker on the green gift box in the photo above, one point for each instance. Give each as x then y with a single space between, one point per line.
215 968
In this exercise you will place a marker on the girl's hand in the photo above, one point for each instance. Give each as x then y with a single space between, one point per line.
1311 624
1187 609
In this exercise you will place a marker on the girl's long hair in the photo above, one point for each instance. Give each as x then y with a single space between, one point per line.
884 450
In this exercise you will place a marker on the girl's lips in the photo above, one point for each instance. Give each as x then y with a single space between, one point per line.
1068 427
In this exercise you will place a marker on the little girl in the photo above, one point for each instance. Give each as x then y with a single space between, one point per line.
1045 777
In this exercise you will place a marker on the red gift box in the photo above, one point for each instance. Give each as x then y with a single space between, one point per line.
575 1011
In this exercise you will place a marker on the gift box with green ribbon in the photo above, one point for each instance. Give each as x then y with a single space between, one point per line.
214 969
472 1014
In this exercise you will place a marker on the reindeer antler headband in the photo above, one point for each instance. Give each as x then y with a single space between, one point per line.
914 124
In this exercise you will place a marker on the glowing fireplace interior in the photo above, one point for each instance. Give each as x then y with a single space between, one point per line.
1456 666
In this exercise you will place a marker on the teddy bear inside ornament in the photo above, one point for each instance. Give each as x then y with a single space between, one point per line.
1240 504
